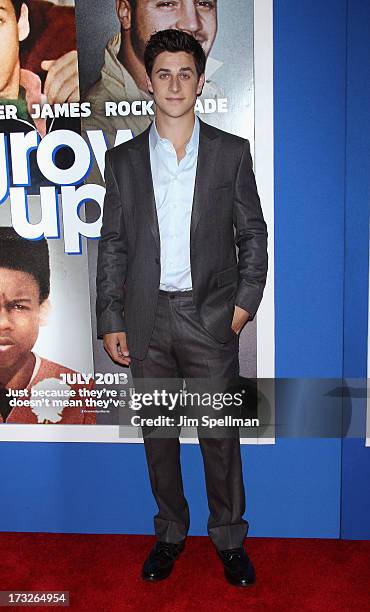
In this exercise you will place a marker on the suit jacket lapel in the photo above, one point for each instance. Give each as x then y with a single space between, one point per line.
207 157
206 168
140 157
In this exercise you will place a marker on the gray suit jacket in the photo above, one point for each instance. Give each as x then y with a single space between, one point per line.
226 213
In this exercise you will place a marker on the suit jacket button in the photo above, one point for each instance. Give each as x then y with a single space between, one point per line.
157 260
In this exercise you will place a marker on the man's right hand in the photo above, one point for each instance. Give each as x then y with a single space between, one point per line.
116 346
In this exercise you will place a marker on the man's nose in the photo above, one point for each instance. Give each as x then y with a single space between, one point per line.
189 20
5 322
175 83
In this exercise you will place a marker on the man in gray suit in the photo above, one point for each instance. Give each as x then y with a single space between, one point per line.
172 295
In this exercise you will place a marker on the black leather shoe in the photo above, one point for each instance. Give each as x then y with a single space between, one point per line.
161 560
238 567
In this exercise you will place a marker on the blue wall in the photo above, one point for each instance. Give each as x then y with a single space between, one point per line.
293 488
356 458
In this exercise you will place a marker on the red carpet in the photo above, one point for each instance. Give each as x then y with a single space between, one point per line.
101 572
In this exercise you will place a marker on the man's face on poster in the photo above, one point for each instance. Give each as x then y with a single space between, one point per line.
197 17
9 43
11 33
21 315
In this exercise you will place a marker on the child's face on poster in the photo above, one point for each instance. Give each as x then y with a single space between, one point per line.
21 315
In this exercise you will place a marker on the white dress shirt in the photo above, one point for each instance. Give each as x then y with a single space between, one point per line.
173 184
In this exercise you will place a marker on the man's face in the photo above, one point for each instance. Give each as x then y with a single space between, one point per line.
175 83
197 17
11 32
9 43
20 316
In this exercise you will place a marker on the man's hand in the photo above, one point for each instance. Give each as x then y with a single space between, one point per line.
240 318
62 84
116 346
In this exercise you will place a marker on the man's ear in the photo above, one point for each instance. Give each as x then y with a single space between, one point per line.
23 23
123 8
45 308
149 84
200 84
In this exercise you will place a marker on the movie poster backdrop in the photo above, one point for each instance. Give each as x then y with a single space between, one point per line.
72 94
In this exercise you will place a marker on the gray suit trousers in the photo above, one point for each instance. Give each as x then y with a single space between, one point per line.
181 349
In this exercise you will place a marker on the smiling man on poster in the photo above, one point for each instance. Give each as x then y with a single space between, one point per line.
172 296
123 75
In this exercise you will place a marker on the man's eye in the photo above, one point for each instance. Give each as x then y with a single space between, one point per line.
206 4
18 307
166 4
163 76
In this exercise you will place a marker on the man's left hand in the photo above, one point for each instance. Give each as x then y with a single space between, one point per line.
240 318
61 83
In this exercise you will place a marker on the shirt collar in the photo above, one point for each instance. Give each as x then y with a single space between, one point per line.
192 144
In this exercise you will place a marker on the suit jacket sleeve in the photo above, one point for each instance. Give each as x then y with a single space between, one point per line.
112 260
250 236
